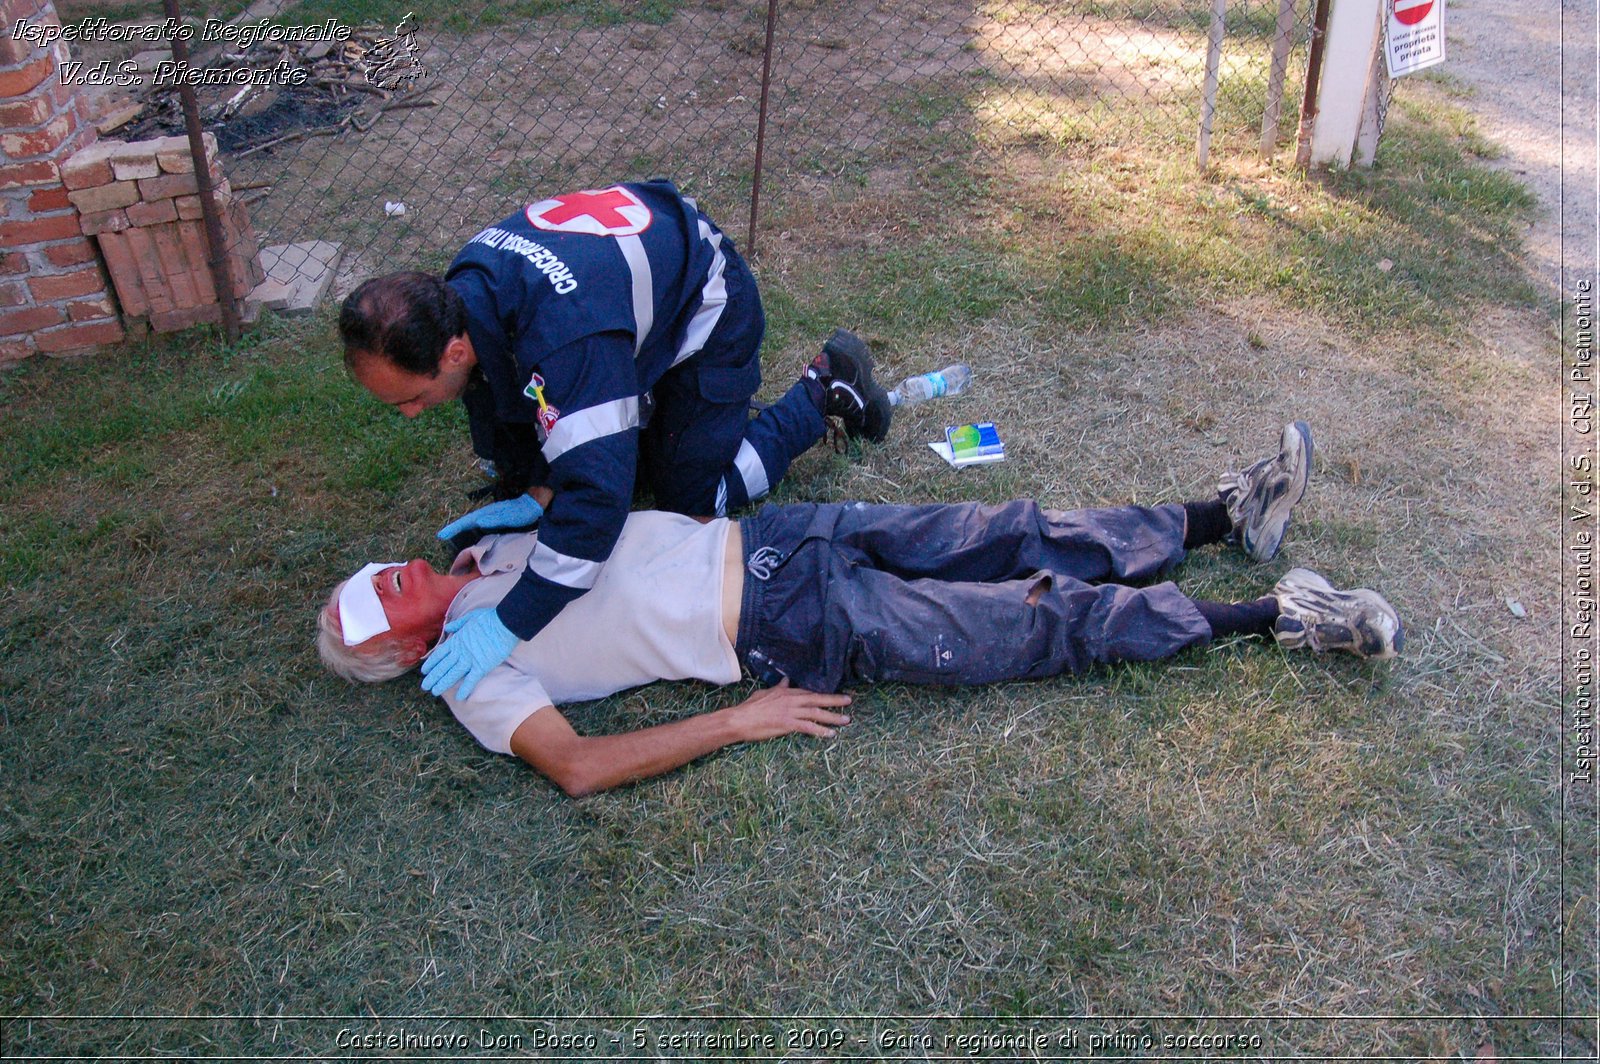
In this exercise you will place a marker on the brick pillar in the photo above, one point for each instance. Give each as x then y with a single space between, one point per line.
54 298
140 201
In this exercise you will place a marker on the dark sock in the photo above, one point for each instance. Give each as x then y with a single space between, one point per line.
1208 523
1239 618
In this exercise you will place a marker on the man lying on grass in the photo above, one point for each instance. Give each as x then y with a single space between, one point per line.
811 597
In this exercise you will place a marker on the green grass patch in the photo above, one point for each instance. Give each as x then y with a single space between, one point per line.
72 11
120 11
1090 211
1424 237
113 422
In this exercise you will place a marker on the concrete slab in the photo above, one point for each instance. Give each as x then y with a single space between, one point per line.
298 276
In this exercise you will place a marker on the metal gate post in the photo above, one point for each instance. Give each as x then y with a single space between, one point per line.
761 126
218 252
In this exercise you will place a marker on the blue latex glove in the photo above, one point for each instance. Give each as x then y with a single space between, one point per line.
473 644
520 512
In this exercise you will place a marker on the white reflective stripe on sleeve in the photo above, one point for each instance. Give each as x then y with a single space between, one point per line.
591 423
750 468
644 295
713 297
563 569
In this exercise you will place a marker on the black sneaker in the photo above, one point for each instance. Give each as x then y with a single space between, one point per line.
1313 613
845 370
1261 498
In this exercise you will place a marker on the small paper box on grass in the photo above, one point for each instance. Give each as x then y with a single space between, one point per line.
972 444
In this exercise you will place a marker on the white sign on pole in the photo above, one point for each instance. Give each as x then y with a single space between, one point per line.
1413 32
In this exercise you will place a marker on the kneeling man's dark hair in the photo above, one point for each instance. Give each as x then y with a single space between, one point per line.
406 318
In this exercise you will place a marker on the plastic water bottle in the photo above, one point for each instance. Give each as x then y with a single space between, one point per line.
952 380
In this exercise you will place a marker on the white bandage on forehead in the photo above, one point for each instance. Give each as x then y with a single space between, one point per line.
361 615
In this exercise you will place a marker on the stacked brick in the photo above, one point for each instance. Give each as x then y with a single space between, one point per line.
53 295
141 202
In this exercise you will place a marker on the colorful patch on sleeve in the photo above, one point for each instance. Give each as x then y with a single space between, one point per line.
547 413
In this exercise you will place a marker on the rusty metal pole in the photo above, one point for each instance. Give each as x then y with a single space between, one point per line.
761 126
217 251
1308 108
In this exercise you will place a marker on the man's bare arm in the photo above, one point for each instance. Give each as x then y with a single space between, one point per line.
585 764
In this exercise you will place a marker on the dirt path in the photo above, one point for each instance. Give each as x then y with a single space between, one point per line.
1531 65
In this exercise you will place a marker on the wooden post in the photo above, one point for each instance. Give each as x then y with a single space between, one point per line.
1281 40
1208 103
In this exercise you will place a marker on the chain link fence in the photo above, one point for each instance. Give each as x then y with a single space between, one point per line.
462 115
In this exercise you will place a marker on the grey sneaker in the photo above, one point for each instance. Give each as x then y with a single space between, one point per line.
1313 613
845 369
1261 498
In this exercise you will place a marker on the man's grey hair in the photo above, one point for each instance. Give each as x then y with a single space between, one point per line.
371 661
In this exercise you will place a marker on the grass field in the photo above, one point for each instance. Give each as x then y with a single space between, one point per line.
197 821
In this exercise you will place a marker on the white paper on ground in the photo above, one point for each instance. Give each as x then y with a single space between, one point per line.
942 449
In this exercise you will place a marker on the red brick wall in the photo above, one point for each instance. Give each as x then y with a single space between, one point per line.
54 298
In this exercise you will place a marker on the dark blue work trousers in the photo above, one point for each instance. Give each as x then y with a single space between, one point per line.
838 593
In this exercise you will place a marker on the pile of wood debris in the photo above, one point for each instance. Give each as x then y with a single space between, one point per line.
274 91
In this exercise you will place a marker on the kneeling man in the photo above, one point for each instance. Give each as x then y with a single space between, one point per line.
811 597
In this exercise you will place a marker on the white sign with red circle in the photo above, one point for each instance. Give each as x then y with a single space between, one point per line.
1411 12
610 211
1413 35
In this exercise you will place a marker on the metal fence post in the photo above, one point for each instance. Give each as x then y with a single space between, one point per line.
1308 106
761 125
217 251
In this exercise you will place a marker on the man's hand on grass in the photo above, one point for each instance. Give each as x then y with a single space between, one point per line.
783 710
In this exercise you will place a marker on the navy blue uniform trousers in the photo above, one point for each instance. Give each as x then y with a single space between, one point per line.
837 593
702 453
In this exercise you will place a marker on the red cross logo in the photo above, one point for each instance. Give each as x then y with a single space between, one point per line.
611 211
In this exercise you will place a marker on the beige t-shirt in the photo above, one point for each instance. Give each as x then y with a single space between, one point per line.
655 613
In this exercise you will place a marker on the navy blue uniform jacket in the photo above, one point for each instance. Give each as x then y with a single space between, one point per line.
576 306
